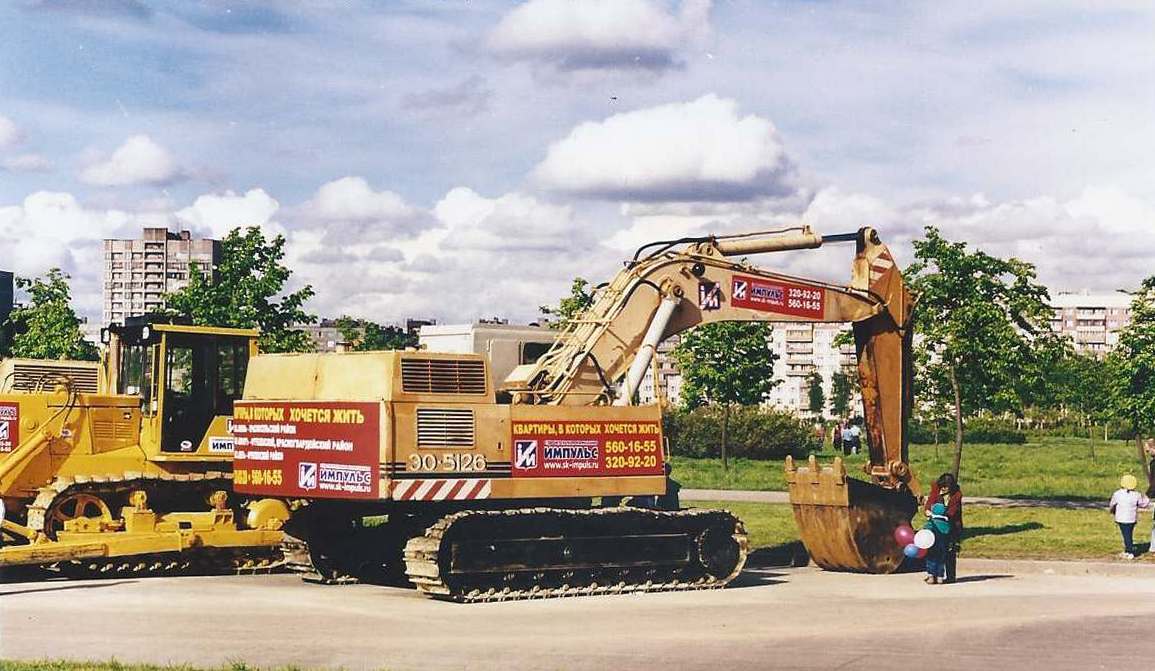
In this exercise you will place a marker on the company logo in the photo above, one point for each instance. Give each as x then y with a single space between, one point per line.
525 454
709 296
221 444
572 450
307 475
9 426
770 294
354 477
741 289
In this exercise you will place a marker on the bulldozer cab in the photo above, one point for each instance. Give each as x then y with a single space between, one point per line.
187 378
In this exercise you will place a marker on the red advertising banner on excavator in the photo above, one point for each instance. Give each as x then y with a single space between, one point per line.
784 298
315 449
566 448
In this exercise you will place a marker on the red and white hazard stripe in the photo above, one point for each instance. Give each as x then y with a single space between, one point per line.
442 489
879 266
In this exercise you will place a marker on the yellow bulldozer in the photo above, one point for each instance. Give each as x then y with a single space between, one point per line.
416 466
134 476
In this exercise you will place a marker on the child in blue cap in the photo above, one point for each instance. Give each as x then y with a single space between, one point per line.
940 525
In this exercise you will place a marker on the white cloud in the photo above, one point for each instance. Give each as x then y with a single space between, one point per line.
513 221
140 160
1103 239
696 151
217 214
483 256
352 199
26 163
350 212
52 229
600 34
10 134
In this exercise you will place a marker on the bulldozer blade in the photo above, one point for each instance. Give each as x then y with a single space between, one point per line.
847 524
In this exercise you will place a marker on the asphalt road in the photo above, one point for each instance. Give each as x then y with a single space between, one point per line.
781 618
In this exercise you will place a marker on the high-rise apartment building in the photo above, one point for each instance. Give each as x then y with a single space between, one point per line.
1093 321
138 273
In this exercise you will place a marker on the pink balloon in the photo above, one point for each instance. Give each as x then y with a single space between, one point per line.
904 535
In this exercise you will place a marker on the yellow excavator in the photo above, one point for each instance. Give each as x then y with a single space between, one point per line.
485 493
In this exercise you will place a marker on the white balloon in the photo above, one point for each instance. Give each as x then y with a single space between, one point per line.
924 538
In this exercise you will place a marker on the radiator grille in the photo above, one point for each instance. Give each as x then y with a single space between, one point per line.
111 430
30 377
443 376
444 427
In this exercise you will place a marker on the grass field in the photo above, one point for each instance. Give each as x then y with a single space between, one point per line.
1008 533
1054 468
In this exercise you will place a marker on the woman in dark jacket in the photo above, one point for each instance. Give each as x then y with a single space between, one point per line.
946 491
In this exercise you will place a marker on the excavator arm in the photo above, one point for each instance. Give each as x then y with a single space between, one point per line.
601 357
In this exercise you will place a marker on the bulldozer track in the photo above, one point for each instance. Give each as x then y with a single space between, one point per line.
296 558
203 561
425 559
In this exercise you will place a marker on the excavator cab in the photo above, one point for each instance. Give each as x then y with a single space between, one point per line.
187 378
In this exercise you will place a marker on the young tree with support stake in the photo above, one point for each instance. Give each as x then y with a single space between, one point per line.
984 325
815 399
724 364
841 390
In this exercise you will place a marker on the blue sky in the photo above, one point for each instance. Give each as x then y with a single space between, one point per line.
467 158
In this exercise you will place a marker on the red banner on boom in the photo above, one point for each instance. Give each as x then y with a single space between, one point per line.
784 298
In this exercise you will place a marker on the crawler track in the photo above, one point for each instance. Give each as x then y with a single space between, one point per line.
167 493
474 556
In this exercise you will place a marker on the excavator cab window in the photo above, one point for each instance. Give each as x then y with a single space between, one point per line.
203 376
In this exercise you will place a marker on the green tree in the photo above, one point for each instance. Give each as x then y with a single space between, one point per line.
1083 388
1132 365
48 328
724 364
365 336
841 389
985 330
580 298
248 291
815 399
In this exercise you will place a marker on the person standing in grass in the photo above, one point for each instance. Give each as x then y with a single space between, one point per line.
1125 505
947 492
1149 448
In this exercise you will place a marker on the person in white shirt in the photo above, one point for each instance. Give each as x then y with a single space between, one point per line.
1125 505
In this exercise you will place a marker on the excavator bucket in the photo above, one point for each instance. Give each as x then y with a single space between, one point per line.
847 524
